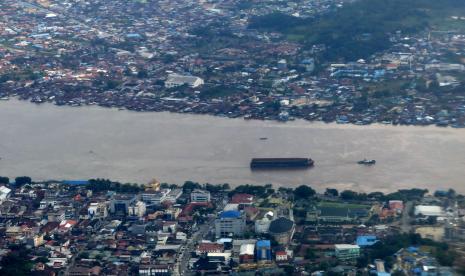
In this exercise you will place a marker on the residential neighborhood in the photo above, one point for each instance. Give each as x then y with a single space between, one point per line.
359 62
99 227
204 57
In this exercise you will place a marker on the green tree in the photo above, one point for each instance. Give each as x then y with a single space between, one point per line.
22 180
42 260
256 190
16 263
304 192
190 185
331 192
4 180
348 195
310 254
226 187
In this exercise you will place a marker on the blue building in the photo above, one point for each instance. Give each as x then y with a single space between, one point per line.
263 250
366 240
75 182
230 223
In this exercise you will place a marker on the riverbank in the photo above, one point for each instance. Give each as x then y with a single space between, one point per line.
180 106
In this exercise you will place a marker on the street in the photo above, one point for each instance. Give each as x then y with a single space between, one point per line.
405 226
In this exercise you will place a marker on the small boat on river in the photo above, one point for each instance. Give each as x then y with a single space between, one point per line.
367 162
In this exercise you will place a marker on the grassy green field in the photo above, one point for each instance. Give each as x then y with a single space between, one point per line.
342 205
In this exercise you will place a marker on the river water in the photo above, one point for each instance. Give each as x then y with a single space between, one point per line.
51 142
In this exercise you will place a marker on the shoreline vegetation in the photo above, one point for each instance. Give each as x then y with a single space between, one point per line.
302 191
381 123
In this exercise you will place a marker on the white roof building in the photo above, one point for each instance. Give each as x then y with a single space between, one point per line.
346 246
175 80
4 193
231 207
247 249
429 210
225 255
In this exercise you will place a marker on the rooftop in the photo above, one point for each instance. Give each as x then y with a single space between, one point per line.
263 243
281 225
230 214
346 246
247 249
366 240
242 198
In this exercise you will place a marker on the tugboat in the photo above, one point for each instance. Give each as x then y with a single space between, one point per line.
367 162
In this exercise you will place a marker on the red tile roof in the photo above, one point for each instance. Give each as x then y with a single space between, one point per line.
210 247
242 199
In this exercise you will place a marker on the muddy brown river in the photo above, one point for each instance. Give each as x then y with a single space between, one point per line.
51 142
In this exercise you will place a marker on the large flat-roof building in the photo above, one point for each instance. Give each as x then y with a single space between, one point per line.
347 252
428 210
175 80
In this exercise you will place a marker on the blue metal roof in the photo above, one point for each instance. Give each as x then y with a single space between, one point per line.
366 240
75 182
263 243
230 214
133 35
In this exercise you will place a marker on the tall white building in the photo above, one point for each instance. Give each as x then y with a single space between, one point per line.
230 223
137 210
263 225
97 210
4 193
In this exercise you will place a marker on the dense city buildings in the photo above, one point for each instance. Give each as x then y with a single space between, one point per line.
231 58
360 62
100 227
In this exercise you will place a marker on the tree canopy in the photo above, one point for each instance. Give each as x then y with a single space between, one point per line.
256 190
359 29
331 192
22 180
102 185
4 180
304 192
16 263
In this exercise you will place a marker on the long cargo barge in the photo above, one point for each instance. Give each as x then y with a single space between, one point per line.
272 163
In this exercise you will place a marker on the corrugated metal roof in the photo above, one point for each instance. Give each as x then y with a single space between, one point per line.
263 243
230 214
